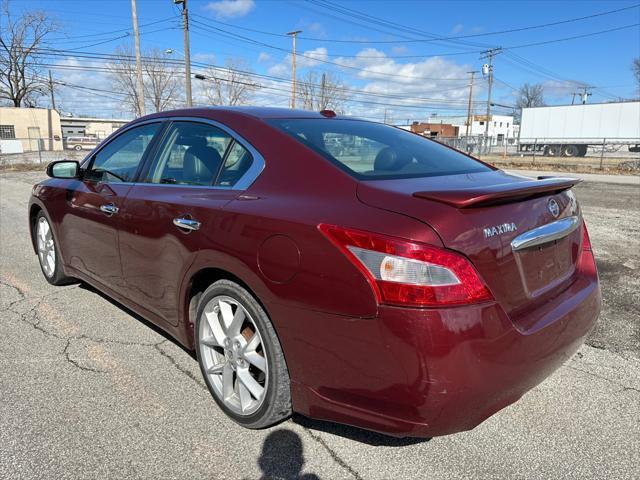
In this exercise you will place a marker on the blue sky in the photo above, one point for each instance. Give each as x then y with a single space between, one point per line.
396 70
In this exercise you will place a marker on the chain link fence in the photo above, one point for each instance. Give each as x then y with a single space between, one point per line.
19 151
595 153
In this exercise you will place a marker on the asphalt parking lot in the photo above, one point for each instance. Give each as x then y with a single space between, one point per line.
89 390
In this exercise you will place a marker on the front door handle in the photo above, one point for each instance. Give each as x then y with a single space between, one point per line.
186 223
109 209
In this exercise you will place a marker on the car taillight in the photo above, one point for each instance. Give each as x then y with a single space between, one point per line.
587 262
408 273
586 241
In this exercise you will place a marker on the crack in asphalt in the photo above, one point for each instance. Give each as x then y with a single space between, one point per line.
178 367
601 377
75 363
17 289
32 318
333 454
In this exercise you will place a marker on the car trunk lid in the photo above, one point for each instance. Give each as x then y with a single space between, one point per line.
481 214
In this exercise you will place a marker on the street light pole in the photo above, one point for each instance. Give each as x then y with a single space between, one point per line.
187 52
136 35
294 34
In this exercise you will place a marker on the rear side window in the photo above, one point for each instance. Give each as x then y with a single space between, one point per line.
370 150
191 154
236 163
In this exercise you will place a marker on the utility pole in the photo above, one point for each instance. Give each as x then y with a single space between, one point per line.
585 95
573 98
136 34
488 70
187 52
323 91
470 100
53 100
294 34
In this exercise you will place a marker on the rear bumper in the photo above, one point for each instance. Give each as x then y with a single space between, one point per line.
424 373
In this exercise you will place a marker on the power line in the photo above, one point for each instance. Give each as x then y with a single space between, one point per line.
112 57
432 104
458 37
111 32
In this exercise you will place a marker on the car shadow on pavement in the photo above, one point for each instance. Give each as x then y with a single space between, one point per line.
357 434
282 457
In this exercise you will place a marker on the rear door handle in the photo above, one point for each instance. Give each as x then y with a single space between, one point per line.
186 223
109 209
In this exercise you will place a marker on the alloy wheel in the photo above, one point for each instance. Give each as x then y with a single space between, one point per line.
233 355
46 247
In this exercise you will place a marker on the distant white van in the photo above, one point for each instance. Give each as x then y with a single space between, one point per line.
81 143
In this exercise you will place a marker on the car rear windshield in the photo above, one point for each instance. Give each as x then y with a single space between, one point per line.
368 150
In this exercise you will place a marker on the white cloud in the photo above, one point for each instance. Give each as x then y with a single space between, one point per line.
560 88
315 28
230 8
306 59
205 57
264 57
399 50
457 28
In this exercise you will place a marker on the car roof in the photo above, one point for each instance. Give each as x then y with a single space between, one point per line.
255 112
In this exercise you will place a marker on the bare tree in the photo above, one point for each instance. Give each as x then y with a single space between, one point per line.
161 81
636 70
123 71
231 85
529 96
20 39
320 91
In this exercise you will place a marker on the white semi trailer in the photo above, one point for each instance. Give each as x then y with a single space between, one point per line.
568 130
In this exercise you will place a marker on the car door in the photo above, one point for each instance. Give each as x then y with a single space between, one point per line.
90 225
171 215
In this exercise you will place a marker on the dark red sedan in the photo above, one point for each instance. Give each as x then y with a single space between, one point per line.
339 268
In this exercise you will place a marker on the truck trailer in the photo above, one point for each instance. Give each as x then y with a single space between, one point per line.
568 130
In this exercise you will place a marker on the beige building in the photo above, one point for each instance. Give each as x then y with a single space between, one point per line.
29 130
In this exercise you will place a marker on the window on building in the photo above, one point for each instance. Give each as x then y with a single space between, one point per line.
507 124
7 132
481 123
500 123
495 123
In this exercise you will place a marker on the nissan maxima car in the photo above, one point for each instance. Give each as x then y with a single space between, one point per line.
346 270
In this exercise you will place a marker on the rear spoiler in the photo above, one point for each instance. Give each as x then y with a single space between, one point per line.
483 196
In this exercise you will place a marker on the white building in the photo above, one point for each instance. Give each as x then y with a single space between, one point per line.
501 127
99 128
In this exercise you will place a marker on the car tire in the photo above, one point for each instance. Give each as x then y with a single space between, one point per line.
233 373
48 251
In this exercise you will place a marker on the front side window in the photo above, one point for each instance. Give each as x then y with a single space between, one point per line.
191 154
368 150
119 160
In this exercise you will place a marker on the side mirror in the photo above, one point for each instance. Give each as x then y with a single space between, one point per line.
64 169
